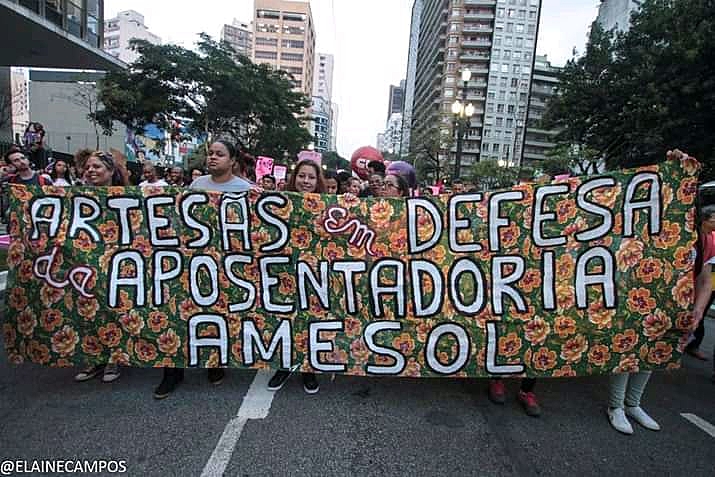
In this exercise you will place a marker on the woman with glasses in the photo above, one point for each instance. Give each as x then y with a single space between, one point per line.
395 186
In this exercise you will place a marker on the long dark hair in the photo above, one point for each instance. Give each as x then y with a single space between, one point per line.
402 185
53 171
320 184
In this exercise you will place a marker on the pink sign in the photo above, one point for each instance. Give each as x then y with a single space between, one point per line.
311 156
264 167
279 172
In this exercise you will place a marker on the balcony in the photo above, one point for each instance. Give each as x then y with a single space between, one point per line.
477 3
479 16
477 44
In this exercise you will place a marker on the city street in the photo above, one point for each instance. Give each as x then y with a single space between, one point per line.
354 426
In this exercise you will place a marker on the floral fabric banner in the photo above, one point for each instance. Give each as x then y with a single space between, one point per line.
578 277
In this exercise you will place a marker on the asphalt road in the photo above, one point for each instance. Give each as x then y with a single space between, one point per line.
355 426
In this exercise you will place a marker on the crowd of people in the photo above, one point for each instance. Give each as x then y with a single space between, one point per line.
230 170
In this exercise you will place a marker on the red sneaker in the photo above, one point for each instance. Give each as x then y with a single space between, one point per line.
530 404
497 393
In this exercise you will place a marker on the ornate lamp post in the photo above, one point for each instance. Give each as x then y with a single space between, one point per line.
463 113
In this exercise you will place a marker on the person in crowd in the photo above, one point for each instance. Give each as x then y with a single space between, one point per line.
195 174
24 174
331 182
281 185
306 178
34 144
268 182
457 186
374 184
220 162
102 171
395 186
376 167
80 161
151 178
60 174
705 250
245 167
353 186
343 179
176 177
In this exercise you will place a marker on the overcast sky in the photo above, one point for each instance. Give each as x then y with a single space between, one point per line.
369 39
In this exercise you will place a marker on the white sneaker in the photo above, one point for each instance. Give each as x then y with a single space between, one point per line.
618 420
639 415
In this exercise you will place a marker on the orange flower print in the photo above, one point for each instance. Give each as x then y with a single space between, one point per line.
536 331
544 359
359 351
87 307
564 372
381 213
84 243
15 253
649 269
599 355
629 254
565 267
17 299
565 296
110 335
656 324
404 344
669 235
65 341
132 322
685 321
628 364
50 320
313 204
564 326
640 301
509 345
109 231
26 322
683 258
333 252
145 351
684 291
688 190
660 353
169 342
509 235
599 315
573 349
531 280
565 210
301 238
157 321
92 346
286 284
38 353
624 342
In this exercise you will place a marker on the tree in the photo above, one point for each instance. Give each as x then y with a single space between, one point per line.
85 95
489 175
332 160
567 158
429 153
631 98
210 93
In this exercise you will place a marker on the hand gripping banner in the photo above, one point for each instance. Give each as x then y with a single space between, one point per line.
578 277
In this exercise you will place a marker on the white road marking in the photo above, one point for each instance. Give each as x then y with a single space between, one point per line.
701 423
256 405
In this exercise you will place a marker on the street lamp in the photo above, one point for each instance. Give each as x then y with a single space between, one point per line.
463 113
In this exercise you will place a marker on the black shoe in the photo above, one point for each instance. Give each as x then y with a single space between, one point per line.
278 380
310 383
172 378
216 376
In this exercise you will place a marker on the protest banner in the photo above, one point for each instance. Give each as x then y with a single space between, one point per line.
264 167
586 276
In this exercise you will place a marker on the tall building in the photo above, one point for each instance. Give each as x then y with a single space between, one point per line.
411 76
392 137
495 40
396 100
323 89
616 14
240 36
284 37
539 141
20 102
123 28
321 112
323 83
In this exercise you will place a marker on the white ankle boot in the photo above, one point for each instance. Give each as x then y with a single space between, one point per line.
640 416
618 420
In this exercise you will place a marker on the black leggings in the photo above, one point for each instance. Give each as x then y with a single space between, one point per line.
699 332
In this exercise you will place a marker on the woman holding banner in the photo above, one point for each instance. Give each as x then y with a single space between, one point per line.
307 178
101 171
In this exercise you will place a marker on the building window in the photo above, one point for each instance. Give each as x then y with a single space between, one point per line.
495 147
53 11
263 41
268 14
292 56
449 93
266 55
294 17
500 122
500 12
299 44
510 109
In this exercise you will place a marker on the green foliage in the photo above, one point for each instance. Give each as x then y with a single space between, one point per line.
335 161
489 175
426 154
633 97
213 91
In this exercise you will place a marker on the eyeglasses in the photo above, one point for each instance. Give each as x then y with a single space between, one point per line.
387 184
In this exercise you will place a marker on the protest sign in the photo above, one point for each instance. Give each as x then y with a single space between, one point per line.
587 276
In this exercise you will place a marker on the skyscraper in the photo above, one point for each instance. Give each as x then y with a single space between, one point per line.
123 28
240 36
322 100
616 14
495 40
411 76
396 99
284 37
540 141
